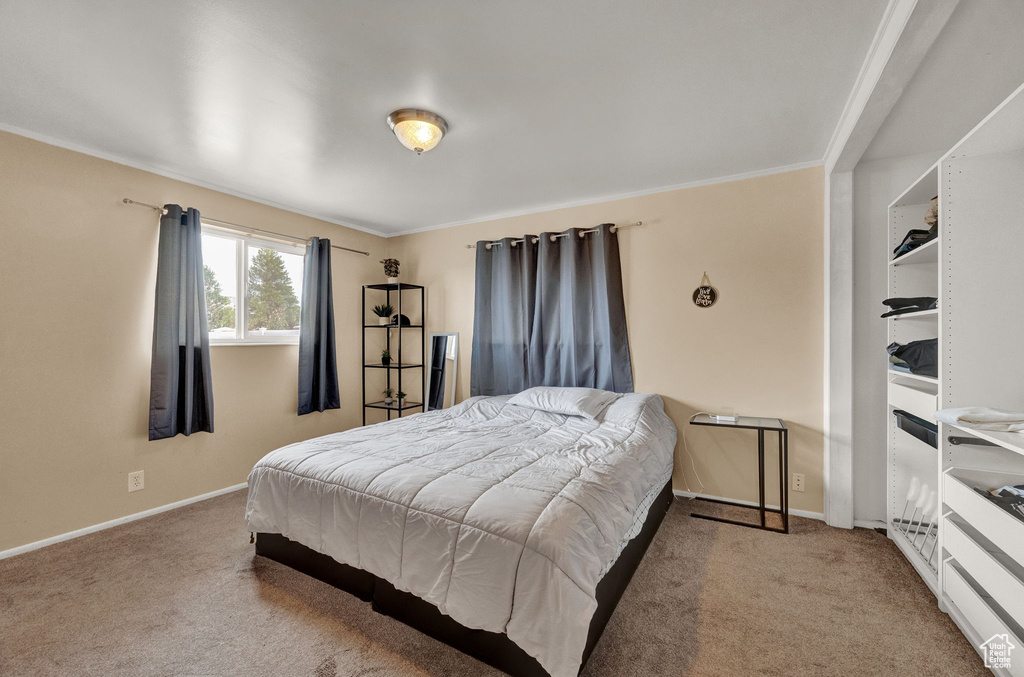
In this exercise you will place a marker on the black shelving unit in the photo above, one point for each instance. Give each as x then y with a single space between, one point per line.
398 366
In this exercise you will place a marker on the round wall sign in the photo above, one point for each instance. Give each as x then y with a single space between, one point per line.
705 295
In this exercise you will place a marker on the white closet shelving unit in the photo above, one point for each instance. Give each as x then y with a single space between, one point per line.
913 274
976 270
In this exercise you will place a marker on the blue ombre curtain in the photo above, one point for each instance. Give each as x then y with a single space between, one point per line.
550 313
503 317
318 363
181 392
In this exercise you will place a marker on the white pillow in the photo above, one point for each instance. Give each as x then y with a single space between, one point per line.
587 402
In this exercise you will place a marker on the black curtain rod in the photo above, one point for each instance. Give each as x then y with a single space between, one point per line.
228 224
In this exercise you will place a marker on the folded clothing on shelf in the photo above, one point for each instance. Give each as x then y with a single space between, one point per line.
897 364
931 217
921 357
901 305
914 239
983 418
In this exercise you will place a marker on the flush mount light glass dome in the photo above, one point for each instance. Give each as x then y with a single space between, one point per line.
418 130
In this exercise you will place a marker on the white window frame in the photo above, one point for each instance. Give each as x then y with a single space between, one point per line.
243 242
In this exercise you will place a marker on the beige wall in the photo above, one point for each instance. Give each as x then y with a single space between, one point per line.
78 271
758 351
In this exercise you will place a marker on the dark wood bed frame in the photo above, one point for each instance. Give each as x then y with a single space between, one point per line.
493 648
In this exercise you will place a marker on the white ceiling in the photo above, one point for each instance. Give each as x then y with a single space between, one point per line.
550 103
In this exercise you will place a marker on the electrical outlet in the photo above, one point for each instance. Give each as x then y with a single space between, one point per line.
136 481
798 482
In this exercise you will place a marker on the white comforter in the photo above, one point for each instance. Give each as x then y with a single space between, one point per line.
503 517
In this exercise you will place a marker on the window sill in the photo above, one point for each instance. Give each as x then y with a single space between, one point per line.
277 342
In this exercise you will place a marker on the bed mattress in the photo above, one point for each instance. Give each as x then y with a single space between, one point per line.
503 517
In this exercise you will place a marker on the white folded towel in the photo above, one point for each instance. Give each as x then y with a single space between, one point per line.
983 418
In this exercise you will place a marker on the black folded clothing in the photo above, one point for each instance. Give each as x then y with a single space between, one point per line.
915 304
915 235
922 357
904 301
911 243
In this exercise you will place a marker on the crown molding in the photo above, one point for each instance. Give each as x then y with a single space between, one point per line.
92 152
615 196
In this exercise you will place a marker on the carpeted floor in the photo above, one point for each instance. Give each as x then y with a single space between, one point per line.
182 594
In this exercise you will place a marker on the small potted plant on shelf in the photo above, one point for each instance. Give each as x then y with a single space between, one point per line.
401 399
388 393
385 357
383 313
391 270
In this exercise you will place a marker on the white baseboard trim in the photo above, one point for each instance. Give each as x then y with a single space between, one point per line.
798 513
870 524
115 522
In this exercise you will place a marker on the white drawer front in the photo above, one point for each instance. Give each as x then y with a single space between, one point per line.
918 400
998 526
982 619
999 582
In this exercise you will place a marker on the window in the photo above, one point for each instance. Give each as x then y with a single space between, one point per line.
253 288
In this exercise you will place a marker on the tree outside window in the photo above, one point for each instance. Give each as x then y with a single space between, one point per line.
253 288
272 303
220 313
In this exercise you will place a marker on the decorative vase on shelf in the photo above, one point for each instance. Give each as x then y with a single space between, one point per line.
385 358
383 320
388 400
392 280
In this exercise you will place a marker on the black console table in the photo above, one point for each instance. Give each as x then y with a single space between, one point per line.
761 425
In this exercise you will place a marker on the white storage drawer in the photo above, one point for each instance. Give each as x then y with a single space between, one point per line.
1000 576
917 398
1004 530
976 611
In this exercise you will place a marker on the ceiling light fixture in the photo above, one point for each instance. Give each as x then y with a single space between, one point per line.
418 130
